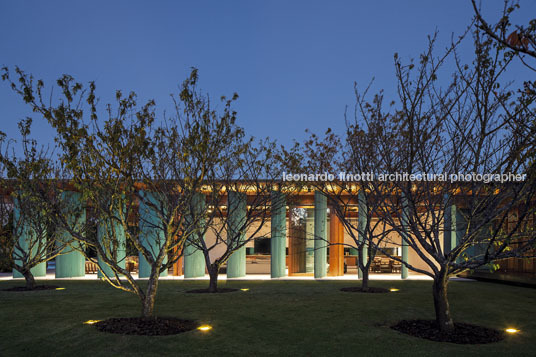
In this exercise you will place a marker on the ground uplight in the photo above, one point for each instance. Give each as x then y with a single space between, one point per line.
91 322
204 328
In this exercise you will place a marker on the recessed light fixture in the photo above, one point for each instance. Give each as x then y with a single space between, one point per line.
204 328
245 289
511 330
60 288
91 322
393 290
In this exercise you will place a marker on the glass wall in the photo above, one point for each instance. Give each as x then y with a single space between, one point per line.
301 240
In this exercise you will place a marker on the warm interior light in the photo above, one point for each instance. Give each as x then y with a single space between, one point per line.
204 328
512 330
394 290
60 288
91 322
245 289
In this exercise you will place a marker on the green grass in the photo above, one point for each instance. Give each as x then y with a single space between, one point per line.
272 318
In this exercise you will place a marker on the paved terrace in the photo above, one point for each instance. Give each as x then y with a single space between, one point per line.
223 277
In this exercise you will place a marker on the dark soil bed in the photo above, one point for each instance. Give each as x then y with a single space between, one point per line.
205 291
356 289
159 326
36 288
463 333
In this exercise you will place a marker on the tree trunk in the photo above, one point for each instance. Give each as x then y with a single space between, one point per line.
365 280
150 297
363 266
30 280
441 304
213 274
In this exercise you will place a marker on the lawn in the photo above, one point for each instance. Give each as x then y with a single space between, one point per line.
272 318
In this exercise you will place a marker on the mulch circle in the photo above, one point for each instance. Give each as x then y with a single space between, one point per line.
36 288
463 333
356 289
205 291
159 326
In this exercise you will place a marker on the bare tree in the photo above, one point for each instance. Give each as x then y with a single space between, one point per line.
27 201
458 129
518 40
124 167
233 205
514 41
354 162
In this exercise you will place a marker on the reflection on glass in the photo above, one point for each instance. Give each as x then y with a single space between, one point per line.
301 247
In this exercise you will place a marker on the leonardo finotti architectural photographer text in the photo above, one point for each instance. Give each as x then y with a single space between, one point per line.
405 176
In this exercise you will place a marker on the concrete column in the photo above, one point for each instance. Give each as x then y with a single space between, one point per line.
71 263
194 259
111 236
321 244
449 232
361 226
236 209
279 235
152 236
454 227
29 242
405 223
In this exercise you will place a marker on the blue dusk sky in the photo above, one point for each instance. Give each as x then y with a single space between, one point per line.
293 63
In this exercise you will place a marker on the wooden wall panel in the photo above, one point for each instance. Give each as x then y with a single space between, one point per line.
336 248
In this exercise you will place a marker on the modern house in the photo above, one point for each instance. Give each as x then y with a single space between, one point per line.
300 238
